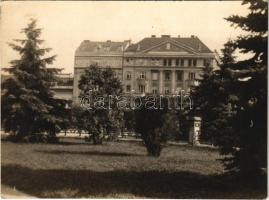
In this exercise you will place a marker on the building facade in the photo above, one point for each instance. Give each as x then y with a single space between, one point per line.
154 65
164 65
105 54
63 87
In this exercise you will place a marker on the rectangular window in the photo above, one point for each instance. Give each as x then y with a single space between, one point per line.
169 62
154 91
128 88
205 62
154 76
194 62
191 76
164 62
189 62
142 75
177 62
128 76
179 75
167 76
141 88
166 90
182 62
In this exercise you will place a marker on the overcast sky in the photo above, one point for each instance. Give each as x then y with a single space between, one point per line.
66 24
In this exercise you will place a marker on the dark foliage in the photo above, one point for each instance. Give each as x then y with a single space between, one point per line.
233 100
99 117
250 88
153 124
28 106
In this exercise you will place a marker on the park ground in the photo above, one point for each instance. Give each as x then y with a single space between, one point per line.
75 169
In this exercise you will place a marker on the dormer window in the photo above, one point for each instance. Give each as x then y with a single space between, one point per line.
168 46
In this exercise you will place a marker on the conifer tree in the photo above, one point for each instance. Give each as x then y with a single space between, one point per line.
149 122
204 100
250 89
233 99
28 106
223 134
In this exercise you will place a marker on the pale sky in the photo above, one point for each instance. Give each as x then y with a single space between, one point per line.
66 24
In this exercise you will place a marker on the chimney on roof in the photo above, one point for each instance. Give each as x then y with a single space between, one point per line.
178 36
126 43
153 36
165 36
108 41
192 36
138 47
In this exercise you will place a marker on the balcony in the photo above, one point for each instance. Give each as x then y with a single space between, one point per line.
63 84
62 87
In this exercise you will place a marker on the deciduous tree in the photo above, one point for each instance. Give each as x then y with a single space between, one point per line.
102 116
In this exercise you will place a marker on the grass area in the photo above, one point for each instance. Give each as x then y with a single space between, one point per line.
117 170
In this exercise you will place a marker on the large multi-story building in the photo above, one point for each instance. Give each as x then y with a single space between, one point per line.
164 65
154 65
105 54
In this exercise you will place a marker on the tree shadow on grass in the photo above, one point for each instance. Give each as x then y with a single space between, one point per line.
88 153
151 184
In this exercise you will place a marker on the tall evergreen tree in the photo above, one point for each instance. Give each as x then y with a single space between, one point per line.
233 100
28 106
205 98
250 88
223 134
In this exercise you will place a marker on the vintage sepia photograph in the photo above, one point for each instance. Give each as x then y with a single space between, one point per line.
134 99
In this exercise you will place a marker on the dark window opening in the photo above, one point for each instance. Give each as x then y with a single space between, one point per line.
164 62
177 62
189 62
128 88
167 76
182 62
194 62
180 76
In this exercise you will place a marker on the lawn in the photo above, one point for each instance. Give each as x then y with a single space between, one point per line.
117 170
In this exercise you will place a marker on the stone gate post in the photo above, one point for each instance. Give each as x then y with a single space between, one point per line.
195 131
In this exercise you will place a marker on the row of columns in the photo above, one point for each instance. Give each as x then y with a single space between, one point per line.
173 81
